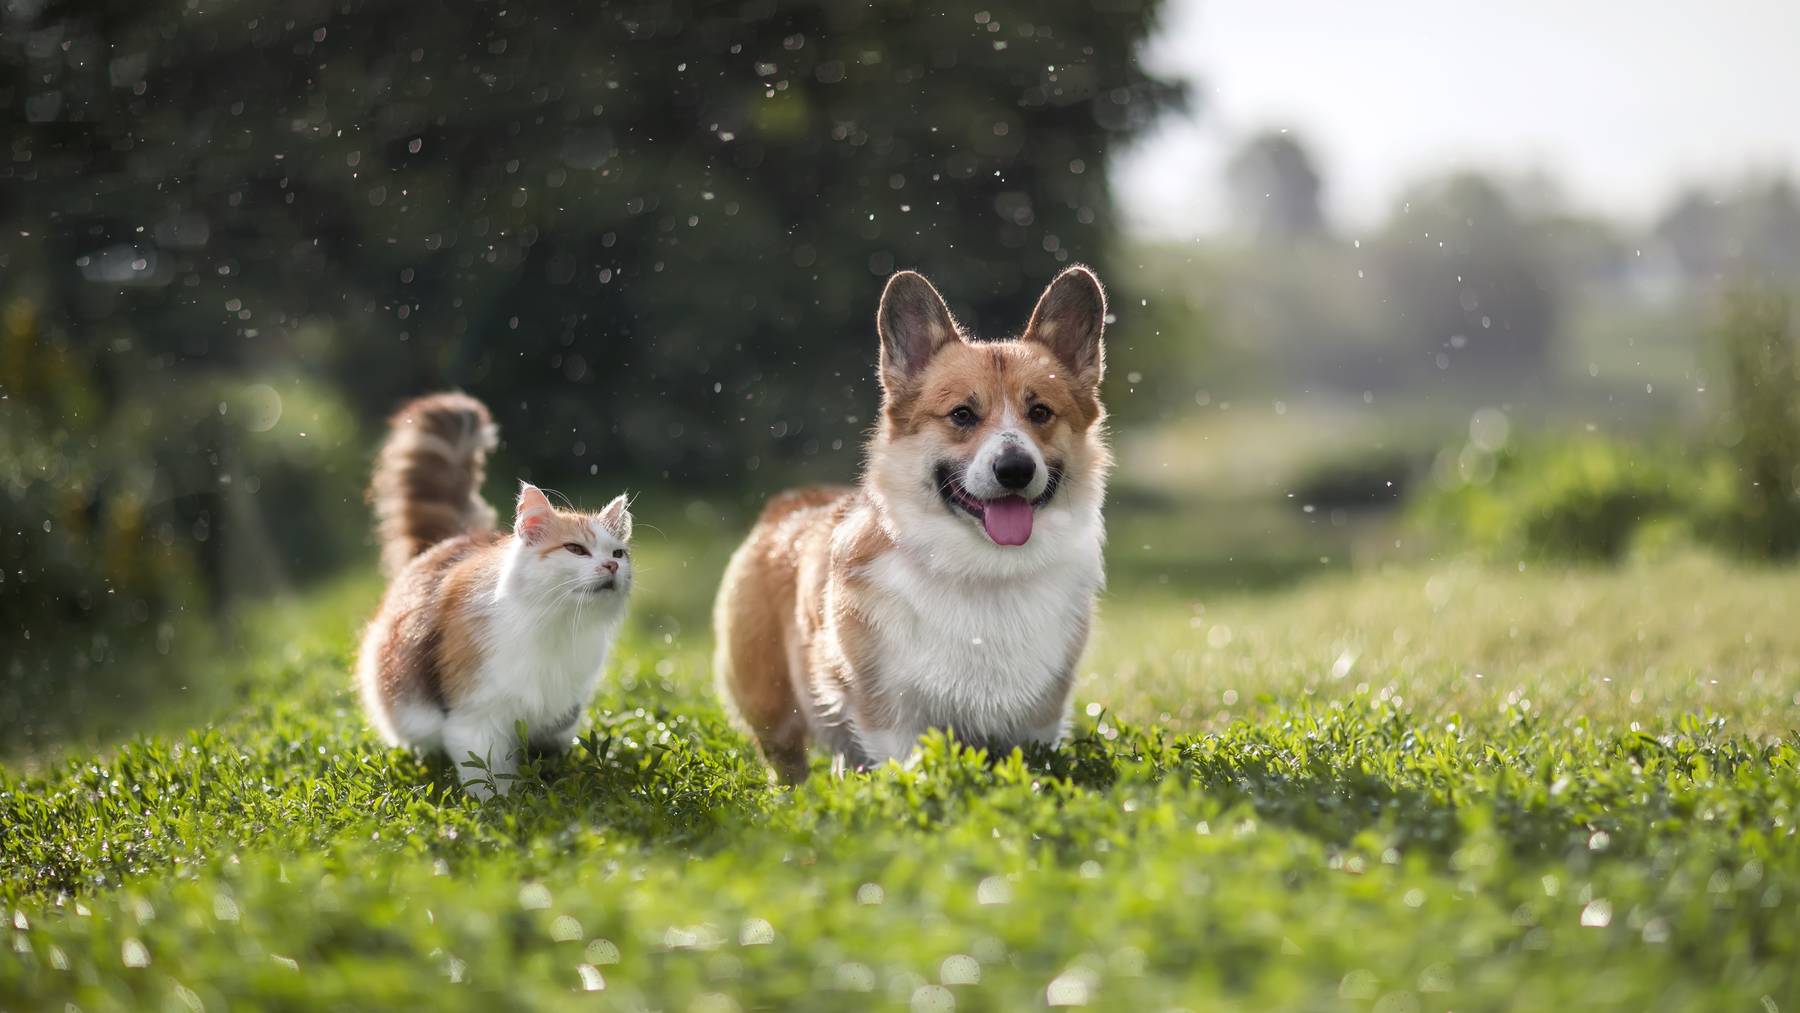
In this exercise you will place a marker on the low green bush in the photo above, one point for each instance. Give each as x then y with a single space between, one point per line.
1378 478
1580 499
130 513
1595 497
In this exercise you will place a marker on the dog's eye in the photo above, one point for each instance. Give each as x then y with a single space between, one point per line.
1040 414
578 549
963 415
618 553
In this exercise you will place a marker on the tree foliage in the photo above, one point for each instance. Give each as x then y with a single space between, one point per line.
651 235
655 230
1470 281
1275 187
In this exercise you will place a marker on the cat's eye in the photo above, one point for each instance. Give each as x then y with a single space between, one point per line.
577 548
963 415
618 553
1040 414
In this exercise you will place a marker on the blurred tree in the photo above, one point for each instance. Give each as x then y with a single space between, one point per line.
1695 229
1468 281
1274 189
651 235
1751 233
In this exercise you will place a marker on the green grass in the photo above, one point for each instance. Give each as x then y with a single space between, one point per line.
1321 808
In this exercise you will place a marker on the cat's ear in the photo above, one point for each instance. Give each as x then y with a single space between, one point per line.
533 513
914 323
617 517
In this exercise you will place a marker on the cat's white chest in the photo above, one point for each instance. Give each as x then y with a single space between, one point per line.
539 676
979 656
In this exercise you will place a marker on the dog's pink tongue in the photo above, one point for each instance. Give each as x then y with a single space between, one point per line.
1008 521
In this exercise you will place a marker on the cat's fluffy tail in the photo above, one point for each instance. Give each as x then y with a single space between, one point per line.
427 482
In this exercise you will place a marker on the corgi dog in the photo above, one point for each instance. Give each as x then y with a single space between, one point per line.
480 629
953 587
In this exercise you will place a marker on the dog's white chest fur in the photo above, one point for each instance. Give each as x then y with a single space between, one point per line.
980 656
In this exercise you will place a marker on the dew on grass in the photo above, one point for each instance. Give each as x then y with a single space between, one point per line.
960 969
989 950
565 929
993 890
756 932
903 983
602 952
851 976
1074 987
1358 984
714 1002
692 937
932 999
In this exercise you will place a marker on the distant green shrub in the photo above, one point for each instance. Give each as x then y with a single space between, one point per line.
1374 479
129 514
1578 499
1596 497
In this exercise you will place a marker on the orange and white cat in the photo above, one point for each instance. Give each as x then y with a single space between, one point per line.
954 586
482 629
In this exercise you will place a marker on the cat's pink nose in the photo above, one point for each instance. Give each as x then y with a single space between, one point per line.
609 565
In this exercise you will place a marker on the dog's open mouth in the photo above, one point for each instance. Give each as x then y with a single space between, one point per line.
1008 519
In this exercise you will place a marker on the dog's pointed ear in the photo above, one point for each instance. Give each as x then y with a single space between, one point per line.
914 323
533 513
617 517
1069 320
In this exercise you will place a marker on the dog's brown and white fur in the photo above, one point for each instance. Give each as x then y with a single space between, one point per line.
954 586
481 630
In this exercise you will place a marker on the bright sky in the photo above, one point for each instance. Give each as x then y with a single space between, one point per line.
1619 101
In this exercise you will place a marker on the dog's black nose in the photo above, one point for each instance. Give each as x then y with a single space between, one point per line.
1015 469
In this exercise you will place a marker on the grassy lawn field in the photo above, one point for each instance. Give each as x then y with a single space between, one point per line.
1394 787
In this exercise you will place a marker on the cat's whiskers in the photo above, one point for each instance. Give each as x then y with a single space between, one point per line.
541 615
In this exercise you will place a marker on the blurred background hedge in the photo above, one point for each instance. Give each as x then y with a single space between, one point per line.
1596 497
